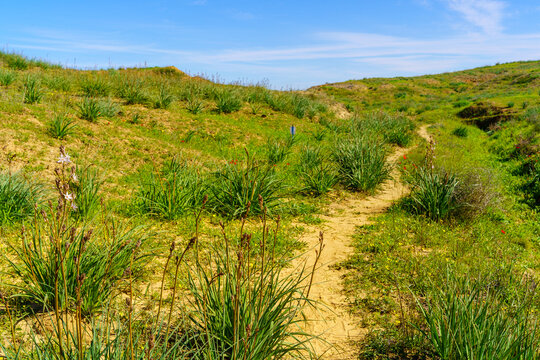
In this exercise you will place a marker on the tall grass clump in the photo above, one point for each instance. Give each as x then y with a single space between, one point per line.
476 319
245 306
86 184
236 186
227 101
32 92
64 266
461 132
89 109
361 163
61 126
94 87
164 98
108 108
17 62
18 197
316 172
277 151
194 104
132 91
394 129
7 77
171 191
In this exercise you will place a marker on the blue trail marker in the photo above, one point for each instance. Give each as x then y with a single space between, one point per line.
293 130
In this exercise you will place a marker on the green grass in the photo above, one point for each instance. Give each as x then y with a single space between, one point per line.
61 126
89 109
361 163
18 197
32 90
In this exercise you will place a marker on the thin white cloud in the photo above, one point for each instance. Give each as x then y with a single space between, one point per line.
484 14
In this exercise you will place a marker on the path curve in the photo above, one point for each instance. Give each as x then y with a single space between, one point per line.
331 320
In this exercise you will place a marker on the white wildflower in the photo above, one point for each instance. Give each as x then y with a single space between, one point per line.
64 159
68 196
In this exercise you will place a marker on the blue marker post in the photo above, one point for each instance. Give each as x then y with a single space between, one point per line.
293 130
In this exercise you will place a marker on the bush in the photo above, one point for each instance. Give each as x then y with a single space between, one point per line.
227 101
89 109
32 90
361 163
461 132
475 319
170 192
18 197
235 188
61 126
93 87
7 77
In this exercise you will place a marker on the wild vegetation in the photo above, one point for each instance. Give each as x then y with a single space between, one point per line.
164 226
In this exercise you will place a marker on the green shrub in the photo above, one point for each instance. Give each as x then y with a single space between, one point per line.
18 197
461 131
61 126
237 187
227 101
475 319
170 192
32 90
94 87
89 109
361 163
7 77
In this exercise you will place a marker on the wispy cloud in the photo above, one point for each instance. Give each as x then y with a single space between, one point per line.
484 14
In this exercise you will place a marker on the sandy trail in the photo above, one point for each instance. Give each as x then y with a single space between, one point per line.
338 329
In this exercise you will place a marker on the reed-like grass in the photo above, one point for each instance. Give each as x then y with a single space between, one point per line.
361 163
89 109
18 197
32 92
61 126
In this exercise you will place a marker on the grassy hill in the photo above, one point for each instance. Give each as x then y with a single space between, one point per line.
197 192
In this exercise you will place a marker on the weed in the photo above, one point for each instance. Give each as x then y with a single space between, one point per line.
17 62
316 174
61 126
277 151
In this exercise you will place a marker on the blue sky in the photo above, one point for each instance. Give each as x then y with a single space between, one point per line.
291 44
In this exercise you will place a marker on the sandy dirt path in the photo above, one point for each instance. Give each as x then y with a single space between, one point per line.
331 320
